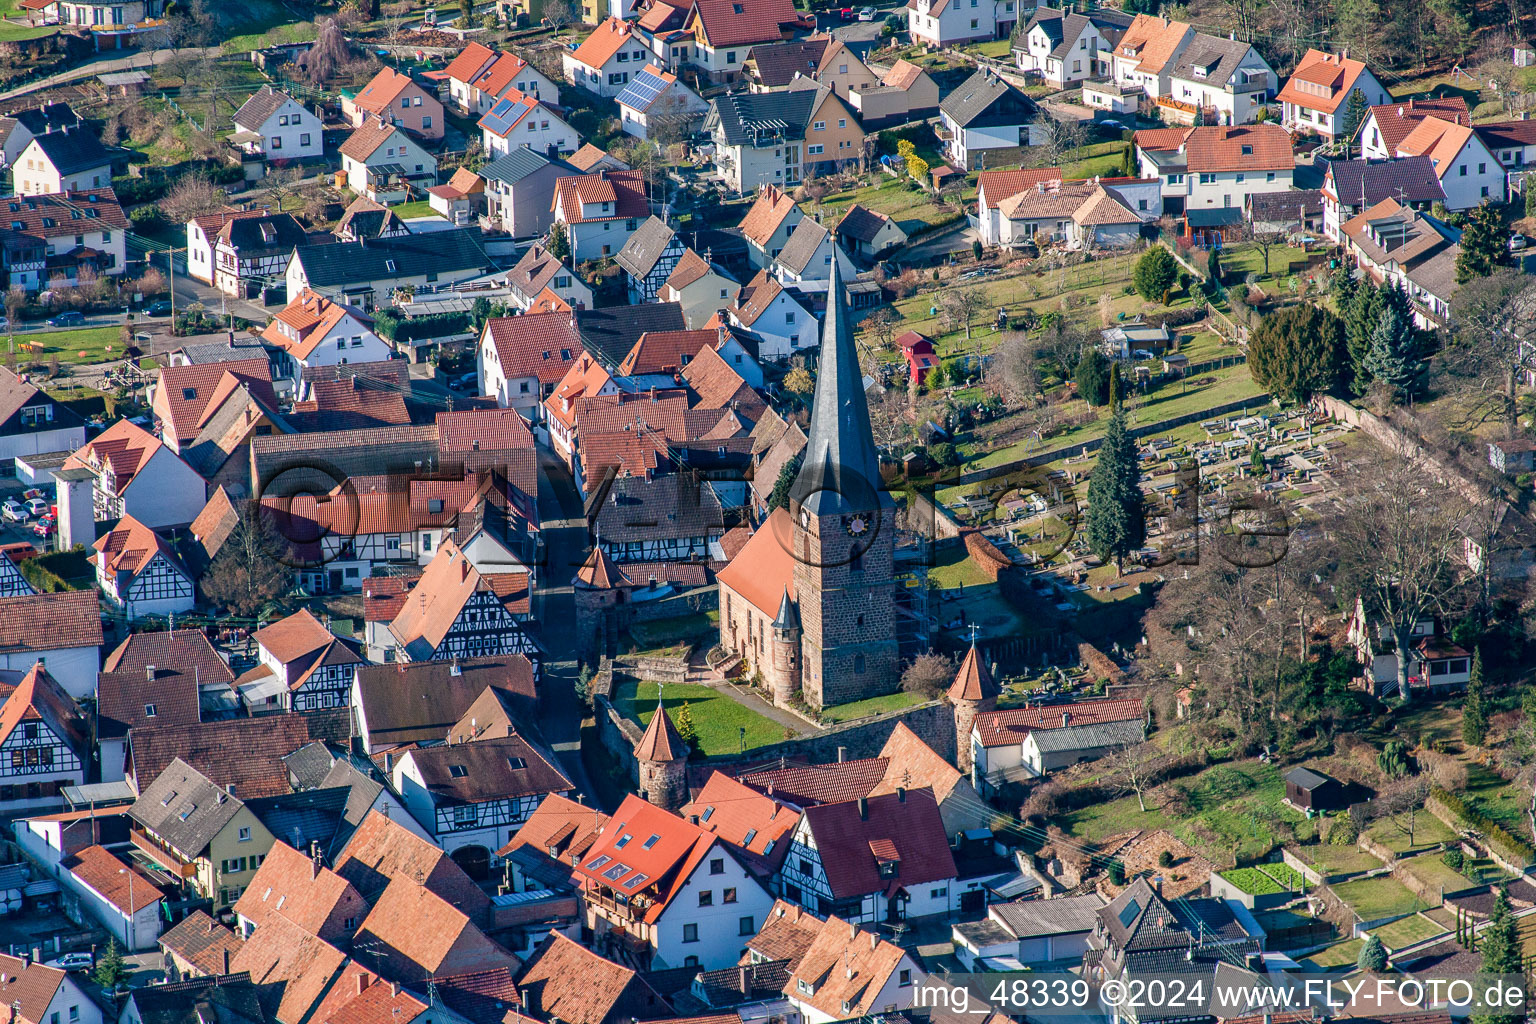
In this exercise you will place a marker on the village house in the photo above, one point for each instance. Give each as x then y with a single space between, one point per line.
456 611
648 259
1216 167
941 23
1286 213
522 359
201 233
759 137
998 737
782 325
44 743
850 971
19 127
118 893
1063 48
869 233
314 331
405 705
290 885
606 59
537 272
369 272
250 254
1513 142
62 629
1077 215
461 199
278 127
1468 171
768 223
918 351
667 891
200 832
1225 80
1385 126
1397 245
700 287
524 122
381 161
140 572
37 994
1352 186
656 105
1316 97
126 471
566 981
480 77
78 230
600 211
66 160
309 668
33 422
987 120
906 93
12 582
519 192
725 31
398 100
154 679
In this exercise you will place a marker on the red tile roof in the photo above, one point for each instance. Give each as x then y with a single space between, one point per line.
755 824
581 199
291 885
764 569
380 94
845 966
470 61
50 622
559 828
39 698
1252 147
741 22
1395 120
1000 728
129 547
844 832
605 41
103 871
381 850
567 982
658 868
1336 73
542 346
125 447
768 211
416 934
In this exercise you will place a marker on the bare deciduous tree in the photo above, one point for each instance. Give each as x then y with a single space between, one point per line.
247 572
1058 138
959 307
330 52
193 195
1019 377
928 674
1133 767
1402 805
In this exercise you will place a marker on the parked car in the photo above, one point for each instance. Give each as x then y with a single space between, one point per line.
13 511
867 14
67 318
160 308
1518 242
45 527
38 506
465 382
71 962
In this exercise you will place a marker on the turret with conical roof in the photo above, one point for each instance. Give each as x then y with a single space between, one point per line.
972 692
784 662
596 588
843 531
663 758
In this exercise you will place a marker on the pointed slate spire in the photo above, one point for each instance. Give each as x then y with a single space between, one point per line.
841 472
788 618
662 741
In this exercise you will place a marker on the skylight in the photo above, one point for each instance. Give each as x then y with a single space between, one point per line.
652 842
516 762
634 883
599 862
623 841
747 839
458 771
707 812
616 872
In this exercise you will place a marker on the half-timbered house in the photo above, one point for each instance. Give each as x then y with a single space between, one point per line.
302 667
251 254
648 259
12 582
456 611
140 572
128 471
63 629
44 744
670 518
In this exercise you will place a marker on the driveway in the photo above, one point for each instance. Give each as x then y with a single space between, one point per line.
933 248
104 65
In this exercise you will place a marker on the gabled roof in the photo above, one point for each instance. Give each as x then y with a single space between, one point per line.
184 808
987 98
220 999
202 942
737 112
489 768
130 546
903 75
516 165
29 987
912 764
1151 41
535 270
126 447
768 211
419 934
1253 147
163 670
646 88
380 93
63 213
777 64
623 192
645 247
755 298
999 728
845 966
646 849
292 885
370 136
691 267
445 588
497 79
382 850
764 568
567 982
1411 178
589 156
293 969
559 827
244 753
188 391
741 22
39 698
1395 120
856 841
333 264
801 246
255 111
1441 141
16 393
50 622
788 932
1210 59
470 62
510 111
603 42
1333 75
72 150
753 823
862 224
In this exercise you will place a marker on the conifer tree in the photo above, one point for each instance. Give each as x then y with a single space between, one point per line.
1500 945
1393 358
1116 520
1373 955
1359 324
1484 244
111 970
1474 712
685 727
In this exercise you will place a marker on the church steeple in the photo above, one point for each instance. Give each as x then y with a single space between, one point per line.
840 472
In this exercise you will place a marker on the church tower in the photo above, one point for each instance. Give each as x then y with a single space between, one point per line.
972 692
663 760
784 664
844 533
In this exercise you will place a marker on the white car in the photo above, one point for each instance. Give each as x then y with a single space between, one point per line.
38 506
867 14
1518 242
13 511
71 962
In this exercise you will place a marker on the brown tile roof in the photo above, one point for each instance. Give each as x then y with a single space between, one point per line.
291 638
1335 72
902 75
419 702
1252 147
380 94
50 622
308 317
1104 207
418 934
497 79
202 942
1000 728
367 138
847 966
764 568
64 213
661 740
786 934
755 297
974 680
567 982
446 586
1152 41
379 1002
39 698
777 64
587 157
492 767
599 572
355 402
382 850
124 446
1439 140
182 660
689 269
214 523
291 968
1161 138
28 987
1395 120
664 351
560 828
913 764
806 785
741 22
999 185
755 824
542 346
103 871
717 385
291 885
246 753
768 211
483 996
659 868
128 548
384 596
535 270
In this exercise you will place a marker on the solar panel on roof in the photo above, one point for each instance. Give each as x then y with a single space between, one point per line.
642 90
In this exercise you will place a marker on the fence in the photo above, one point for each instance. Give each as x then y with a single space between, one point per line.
1225 326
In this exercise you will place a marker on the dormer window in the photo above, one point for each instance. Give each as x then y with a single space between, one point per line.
1247 151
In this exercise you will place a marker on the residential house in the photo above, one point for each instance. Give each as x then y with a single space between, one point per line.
805 264
759 137
196 948
18 128
675 517
566 981
1513 142
1064 49
37 994
314 331
1225 80
606 59
538 271
992 187
1046 750
44 743
461 199
1216 166
590 159
201 233
1468 171
656 105
155 679
987 121
250 254
62 629
386 848
783 326
940 23
126 471
78 229
1039 934
600 211
869 233
33 422
768 223
113 26
292 886
1077 215
456 611
1387 125
278 127
1512 456
480 77
311 667
519 192
525 122
1317 96
367 273
475 792
801 62
725 31
226 997
364 218
12 582
199 832
667 891
1286 213
906 93
871 859
1396 245
918 351
850 971
405 705
117 893
399 100
648 259
756 826
521 359
700 287
380 161
1352 186
67 160
184 399
1138 933
140 572
1142 61
997 737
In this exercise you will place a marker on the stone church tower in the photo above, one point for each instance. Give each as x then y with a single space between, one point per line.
663 760
844 533
972 692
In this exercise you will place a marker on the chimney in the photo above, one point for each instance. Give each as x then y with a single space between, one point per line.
742 981
454 669
842 754
1066 719
863 808
226 961
149 672
394 988
693 819
853 931
874 941
362 983
901 794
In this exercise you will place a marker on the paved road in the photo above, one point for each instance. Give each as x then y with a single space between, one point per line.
104 65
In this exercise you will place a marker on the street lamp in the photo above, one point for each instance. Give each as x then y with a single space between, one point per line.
131 932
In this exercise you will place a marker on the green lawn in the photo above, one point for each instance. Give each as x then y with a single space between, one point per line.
998 49
1409 930
87 345
1498 800
870 706
1433 872
1252 881
910 208
1378 897
1337 860
1342 954
11 32
1428 833
1101 159
957 569
717 718
420 208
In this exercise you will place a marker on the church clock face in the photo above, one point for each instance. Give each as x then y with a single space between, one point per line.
857 527
805 519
